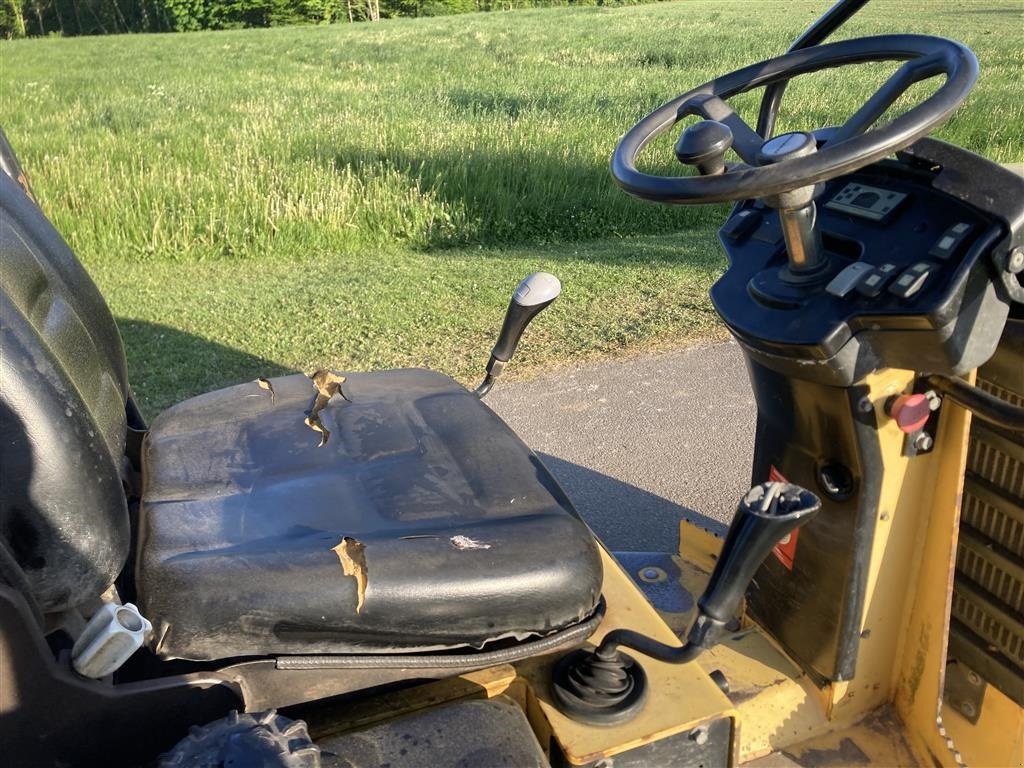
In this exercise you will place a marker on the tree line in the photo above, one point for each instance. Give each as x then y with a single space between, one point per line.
22 18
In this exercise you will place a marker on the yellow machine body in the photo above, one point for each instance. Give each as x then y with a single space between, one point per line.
896 710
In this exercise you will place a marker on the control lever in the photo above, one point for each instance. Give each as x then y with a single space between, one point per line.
530 297
606 686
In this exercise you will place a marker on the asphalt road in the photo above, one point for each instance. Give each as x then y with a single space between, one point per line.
640 443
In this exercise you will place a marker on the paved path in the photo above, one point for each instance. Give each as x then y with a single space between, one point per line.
639 443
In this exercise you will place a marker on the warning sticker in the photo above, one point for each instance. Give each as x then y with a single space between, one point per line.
785 550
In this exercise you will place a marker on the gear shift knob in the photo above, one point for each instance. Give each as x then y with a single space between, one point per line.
530 298
532 295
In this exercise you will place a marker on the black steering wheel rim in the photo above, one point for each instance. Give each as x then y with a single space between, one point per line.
926 56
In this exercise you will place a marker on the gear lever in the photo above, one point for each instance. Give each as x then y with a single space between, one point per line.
605 686
531 296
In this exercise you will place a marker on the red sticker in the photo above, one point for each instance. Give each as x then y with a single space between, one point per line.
785 550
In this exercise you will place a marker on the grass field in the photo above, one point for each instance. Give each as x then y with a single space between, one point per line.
365 196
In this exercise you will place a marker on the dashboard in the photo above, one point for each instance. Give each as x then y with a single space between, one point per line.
911 281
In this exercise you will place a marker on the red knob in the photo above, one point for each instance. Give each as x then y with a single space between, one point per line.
911 412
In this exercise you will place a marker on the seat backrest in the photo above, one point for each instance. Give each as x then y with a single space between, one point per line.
63 390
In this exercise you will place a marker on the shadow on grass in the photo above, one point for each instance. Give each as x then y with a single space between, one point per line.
166 366
500 197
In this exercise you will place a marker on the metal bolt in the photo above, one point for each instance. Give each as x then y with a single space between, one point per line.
699 735
652 574
1015 261
968 709
974 678
923 442
865 405
934 401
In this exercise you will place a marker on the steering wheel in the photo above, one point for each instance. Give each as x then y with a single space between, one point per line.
851 146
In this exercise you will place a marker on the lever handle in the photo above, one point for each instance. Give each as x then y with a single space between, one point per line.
530 297
606 686
764 517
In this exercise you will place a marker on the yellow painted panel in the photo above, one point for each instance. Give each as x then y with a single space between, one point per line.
768 691
996 740
922 661
681 696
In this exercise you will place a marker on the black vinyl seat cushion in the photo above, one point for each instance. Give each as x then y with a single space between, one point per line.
464 536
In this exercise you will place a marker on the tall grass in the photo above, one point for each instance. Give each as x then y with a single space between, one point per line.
492 129
365 196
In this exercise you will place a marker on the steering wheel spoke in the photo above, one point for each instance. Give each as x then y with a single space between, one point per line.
745 140
913 71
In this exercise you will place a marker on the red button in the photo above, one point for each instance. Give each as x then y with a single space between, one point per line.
911 412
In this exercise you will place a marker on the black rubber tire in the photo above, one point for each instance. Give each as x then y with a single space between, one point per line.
260 740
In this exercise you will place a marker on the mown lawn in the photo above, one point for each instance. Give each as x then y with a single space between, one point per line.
366 196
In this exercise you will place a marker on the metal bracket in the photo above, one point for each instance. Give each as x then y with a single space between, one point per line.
923 440
964 691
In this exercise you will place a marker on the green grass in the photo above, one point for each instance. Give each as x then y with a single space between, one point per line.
365 196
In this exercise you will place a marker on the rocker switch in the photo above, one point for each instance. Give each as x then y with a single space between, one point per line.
912 280
740 226
950 241
847 280
872 285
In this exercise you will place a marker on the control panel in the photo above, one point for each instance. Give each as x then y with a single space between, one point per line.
909 268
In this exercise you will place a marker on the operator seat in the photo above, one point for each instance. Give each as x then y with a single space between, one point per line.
423 523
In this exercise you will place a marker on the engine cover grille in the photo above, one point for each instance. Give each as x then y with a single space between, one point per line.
987 619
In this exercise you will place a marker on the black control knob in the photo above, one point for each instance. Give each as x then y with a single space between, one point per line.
531 297
704 145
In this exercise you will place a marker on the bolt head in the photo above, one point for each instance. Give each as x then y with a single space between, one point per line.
924 442
1015 261
968 709
865 405
974 678
699 735
652 574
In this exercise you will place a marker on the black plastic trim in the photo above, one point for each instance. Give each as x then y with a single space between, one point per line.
865 426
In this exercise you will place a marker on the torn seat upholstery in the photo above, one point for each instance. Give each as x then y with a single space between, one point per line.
423 523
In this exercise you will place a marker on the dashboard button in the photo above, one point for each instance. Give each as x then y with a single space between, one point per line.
947 245
875 282
848 278
739 227
912 280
